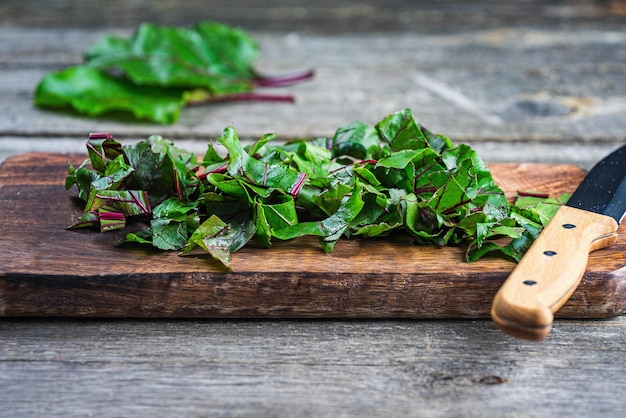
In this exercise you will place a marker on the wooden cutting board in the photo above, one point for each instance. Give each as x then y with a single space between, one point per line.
46 270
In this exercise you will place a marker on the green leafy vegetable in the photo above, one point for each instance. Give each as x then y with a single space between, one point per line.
91 92
159 70
366 181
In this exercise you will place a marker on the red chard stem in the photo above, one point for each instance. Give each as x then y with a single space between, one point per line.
111 216
299 183
533 194
100 135
244 97
282 81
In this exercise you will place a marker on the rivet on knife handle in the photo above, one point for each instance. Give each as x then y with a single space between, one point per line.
550 271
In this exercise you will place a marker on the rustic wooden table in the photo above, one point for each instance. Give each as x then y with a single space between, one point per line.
520 81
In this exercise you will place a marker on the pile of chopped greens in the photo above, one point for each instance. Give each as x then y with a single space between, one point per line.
366 181
159 70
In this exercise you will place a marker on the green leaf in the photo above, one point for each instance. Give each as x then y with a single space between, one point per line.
539 209
115 173
356 140
258 145
101 150
211 55
256 172
448 196
212 157
220 239
168 234
331 199
86 219
174 208
401 131
93 93
154 172
270 217
143 236
402 158
331 228
213 236
82 177
128 202
280 215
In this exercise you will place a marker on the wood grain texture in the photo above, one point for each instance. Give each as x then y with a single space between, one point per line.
323 16
309 368
46 270
510 86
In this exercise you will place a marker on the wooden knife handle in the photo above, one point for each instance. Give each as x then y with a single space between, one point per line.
550 271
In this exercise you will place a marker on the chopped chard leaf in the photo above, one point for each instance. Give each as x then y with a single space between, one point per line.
372 181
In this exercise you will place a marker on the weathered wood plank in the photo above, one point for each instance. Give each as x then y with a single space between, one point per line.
309 368
494 84
323 16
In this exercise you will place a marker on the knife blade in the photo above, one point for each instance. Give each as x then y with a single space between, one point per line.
554 265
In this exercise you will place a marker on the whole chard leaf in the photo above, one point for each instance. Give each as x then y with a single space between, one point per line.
159 70
94 93
210 55
366 181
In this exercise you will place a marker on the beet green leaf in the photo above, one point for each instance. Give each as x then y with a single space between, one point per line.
210 55
93 93
159 70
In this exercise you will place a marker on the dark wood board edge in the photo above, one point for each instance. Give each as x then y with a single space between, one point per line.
284 295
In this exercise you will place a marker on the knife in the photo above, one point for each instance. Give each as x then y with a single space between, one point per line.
553 266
